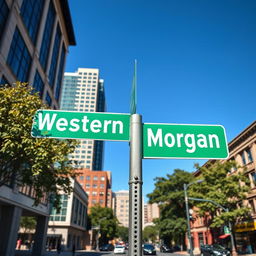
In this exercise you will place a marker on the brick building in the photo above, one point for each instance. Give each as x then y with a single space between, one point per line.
97 185
242 149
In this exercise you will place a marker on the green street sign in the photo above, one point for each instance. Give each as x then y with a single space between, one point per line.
184 141
81 125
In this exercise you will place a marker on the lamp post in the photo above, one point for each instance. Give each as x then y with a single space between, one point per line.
187 213
98 234
234 252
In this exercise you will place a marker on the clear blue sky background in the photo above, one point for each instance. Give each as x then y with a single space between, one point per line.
196 65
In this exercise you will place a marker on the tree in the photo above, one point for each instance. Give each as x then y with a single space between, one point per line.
27 223
224 188
105 219
169 193
123 233
150 234
40 163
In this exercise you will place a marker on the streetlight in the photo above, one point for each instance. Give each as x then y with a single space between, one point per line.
187 213
234 253
98 233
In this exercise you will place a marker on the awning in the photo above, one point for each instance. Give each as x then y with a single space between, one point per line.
224 236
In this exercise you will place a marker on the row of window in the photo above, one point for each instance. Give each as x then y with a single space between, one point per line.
102 178
85 73
95 193
87 185
94 201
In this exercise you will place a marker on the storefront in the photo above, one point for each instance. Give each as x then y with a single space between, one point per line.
245 235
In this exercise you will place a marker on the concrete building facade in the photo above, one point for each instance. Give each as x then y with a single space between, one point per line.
34 41
83 91
121 206
69 226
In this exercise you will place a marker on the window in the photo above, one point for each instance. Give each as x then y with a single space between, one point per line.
253 175
87 185
19 59
4 11
101 193
101 185
55 54
243 158
94 185
94 193
249 155
38 84
251 203
81 177
61 215
44 52
48 99
88 177
31 12
102 178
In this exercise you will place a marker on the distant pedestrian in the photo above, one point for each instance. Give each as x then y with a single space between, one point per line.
73 250
59 248
19 244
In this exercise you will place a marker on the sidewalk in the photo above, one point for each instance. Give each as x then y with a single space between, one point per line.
54 253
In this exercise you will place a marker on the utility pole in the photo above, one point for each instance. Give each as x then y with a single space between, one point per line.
188 221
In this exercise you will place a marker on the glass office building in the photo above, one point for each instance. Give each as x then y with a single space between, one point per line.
83 91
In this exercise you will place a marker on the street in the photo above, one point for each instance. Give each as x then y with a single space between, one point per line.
92 253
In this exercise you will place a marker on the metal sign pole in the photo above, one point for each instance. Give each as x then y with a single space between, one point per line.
135 187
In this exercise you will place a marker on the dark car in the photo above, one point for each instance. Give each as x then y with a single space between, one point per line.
176 248
214 250
165 248
107 247
149 249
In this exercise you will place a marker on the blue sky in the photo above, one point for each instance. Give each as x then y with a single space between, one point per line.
196 65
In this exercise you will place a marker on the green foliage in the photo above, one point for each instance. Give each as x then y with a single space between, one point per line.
150 234
27 223
41 163
123 233
169 193
223 188
105 219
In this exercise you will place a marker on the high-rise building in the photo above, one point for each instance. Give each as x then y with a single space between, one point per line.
97 185
34 40
121 206
84 91
151 212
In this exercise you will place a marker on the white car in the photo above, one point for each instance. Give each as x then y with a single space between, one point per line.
119 249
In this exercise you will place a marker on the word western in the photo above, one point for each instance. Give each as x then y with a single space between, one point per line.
83 123
181 140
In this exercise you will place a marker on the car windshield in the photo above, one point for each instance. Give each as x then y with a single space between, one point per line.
119 246
148 246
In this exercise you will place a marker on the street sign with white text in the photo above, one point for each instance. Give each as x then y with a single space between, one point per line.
81 125
184 141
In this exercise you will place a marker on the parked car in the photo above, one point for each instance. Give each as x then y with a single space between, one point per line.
149 249
165 248
214 250
176 248
107 247
119 249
